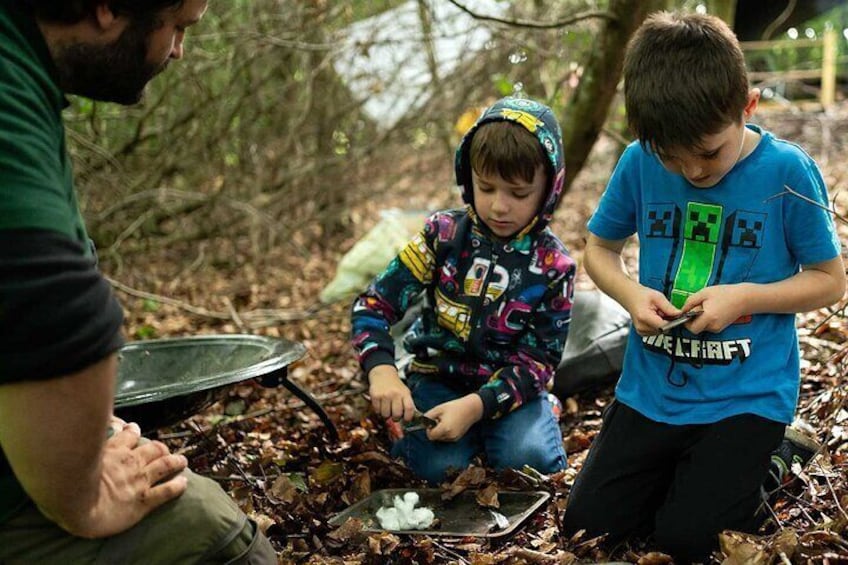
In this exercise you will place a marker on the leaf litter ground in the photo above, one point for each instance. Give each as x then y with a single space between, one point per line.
273 456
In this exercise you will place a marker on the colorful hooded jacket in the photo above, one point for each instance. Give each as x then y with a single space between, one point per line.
497 312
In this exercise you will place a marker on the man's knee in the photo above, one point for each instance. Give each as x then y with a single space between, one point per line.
250 547
203 525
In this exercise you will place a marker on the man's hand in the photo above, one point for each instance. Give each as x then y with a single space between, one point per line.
390 397
136 478
455 417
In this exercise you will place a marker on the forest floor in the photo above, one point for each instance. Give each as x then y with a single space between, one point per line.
273 455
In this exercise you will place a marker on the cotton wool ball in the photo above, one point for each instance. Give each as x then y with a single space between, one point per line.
403 515
388 517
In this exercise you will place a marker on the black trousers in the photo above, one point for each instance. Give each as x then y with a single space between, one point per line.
683 484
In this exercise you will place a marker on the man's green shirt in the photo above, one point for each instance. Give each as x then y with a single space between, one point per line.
57 313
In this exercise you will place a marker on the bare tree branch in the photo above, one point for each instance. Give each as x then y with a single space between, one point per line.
567 21
778 21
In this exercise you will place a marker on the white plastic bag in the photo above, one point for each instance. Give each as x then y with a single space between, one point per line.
371 254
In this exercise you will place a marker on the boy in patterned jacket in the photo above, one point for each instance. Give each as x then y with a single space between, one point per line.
498 286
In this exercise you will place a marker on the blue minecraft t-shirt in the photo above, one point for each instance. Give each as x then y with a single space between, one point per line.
747 228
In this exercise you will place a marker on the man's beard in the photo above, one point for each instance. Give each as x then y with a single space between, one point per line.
116 72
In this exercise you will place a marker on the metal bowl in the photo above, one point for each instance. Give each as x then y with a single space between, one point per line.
164 381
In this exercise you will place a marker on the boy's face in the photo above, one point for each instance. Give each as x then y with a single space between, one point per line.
705 165
507 206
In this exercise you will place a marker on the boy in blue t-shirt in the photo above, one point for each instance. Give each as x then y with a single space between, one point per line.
685 446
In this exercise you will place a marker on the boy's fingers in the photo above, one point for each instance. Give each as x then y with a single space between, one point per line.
668 310
435 433
408 408
398 407
386 408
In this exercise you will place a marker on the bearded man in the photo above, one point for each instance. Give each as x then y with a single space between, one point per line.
69 491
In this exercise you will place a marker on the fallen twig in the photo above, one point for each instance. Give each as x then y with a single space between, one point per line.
234 314
449 551
252 320
835 498
788 190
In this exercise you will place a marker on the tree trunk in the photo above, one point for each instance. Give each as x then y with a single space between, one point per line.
586 112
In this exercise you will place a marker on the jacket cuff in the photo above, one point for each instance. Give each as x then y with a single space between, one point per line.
378 357
490 403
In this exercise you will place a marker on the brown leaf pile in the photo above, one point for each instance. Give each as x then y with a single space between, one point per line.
274 457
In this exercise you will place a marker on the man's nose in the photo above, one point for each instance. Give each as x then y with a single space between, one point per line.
177 49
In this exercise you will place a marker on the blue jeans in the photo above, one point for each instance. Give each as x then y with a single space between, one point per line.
529 435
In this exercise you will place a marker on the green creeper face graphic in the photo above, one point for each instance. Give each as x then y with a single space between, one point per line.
702 222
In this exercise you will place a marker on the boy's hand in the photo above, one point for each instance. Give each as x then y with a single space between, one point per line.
649 310
390 397
455 417
722 305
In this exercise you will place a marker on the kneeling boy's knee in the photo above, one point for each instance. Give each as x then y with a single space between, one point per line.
535 456
434 470
684 541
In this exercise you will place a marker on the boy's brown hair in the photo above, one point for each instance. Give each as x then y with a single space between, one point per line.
509 150
684 78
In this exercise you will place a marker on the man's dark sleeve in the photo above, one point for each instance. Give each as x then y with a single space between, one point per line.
58 314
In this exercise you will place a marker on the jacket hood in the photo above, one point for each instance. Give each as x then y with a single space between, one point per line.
539 120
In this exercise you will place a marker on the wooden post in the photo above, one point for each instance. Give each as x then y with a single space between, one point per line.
828 77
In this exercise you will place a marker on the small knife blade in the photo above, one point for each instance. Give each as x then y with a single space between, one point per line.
419 422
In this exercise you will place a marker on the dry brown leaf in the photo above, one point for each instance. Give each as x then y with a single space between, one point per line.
488 497
327 472
741 549
372 456
785 543
470 477
360 486
483 559
383 543
283 490
655 558
347 531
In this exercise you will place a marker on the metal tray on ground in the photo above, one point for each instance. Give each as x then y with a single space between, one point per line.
460 517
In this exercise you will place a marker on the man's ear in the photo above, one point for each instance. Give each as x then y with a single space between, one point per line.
104 16
753 102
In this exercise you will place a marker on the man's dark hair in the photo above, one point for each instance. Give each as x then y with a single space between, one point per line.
684 79
72 11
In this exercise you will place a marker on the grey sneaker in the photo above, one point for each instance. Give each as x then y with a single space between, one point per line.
796 450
